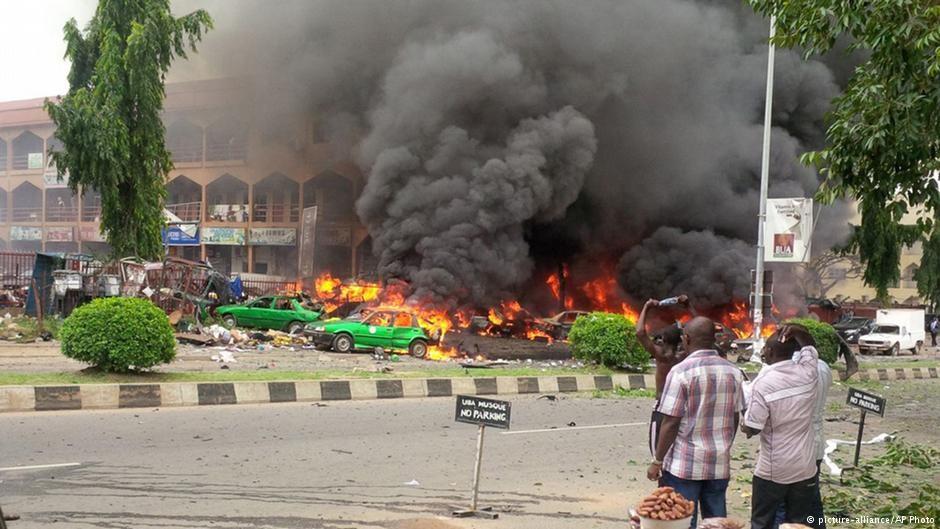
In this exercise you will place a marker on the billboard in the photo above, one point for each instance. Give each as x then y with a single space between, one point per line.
181 235
272 236
788 230
224 236
25 233
59 234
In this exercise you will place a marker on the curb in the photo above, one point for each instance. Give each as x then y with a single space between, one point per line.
112 396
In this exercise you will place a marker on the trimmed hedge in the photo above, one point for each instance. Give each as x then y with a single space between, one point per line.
827 340
118 334
607 339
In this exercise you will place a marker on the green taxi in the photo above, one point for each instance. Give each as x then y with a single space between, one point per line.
282 313
389 329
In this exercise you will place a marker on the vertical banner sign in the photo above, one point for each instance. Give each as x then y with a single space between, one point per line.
308 238
788 230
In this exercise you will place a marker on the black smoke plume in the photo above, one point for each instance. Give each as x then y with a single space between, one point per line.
501 137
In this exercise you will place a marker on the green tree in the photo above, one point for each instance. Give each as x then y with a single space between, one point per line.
109 122
883 139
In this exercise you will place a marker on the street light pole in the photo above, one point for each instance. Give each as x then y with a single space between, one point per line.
758 302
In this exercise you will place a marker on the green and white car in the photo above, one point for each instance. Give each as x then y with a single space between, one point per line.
280 313
390 329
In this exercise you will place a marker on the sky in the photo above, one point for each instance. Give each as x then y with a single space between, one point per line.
31 46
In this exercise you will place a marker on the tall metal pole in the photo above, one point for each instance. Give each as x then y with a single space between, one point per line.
764 178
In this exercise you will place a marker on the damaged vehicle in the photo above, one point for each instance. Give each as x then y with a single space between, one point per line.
389 329
559 325
281 313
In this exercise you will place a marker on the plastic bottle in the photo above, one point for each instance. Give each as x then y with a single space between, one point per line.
669 301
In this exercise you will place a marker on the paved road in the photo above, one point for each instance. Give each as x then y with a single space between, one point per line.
344 465
353 464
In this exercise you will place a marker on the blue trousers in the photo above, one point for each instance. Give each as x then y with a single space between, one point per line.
708 495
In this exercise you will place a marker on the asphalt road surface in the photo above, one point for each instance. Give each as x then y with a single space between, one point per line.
576 462
379 464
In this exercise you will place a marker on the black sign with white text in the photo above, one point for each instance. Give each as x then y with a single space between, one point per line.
488 412
866 401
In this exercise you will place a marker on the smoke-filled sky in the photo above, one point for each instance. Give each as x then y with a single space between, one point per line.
501 137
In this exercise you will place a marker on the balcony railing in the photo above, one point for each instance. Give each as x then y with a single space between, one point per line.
225 151
186 211
3 215
276 213
61 214
227 212
91 212
186 153
27 214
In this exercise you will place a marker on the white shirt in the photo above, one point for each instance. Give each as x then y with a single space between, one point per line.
822 390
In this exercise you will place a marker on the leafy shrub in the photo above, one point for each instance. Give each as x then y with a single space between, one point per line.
827 341
118 334
607 339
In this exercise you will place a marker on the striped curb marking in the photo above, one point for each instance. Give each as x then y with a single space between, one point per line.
104 396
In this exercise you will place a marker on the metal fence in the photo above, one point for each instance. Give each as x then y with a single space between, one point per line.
16 269
257 287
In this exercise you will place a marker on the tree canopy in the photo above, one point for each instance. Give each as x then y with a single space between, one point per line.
883 136
110 123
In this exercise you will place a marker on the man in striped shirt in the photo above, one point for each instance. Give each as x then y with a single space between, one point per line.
701 403
784 400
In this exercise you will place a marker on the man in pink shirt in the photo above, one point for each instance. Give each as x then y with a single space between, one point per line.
781 409
700 404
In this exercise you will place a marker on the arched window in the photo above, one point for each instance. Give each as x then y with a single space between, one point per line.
276 199
226 139
28 152
27 203
184 141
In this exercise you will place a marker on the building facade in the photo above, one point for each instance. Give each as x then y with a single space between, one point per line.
241 181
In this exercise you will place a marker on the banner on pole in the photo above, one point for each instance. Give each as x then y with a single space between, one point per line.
788 230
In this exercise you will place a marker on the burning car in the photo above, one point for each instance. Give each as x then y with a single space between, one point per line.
559 325
281 313
390 329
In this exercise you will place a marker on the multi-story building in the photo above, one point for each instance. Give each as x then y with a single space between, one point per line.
243 180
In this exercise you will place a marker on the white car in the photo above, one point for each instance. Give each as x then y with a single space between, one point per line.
888 339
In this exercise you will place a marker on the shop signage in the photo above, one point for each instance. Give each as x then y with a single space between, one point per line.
223 236
91 234
60 234
181 235
34 160
25 233
273 236
51 179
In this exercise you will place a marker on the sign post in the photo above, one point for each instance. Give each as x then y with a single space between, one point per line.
867 403
483 413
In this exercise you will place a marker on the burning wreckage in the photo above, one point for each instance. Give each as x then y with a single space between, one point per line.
208 308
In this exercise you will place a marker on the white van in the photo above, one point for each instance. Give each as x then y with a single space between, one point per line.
895 330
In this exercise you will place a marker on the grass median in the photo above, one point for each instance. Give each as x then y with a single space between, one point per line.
266 375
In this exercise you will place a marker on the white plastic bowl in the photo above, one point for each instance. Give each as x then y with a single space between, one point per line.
649 523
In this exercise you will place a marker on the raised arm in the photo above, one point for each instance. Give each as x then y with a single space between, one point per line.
642 335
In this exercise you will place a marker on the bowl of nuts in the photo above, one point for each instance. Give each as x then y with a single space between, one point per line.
665 509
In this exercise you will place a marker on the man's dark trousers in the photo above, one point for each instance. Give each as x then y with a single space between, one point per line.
800 499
